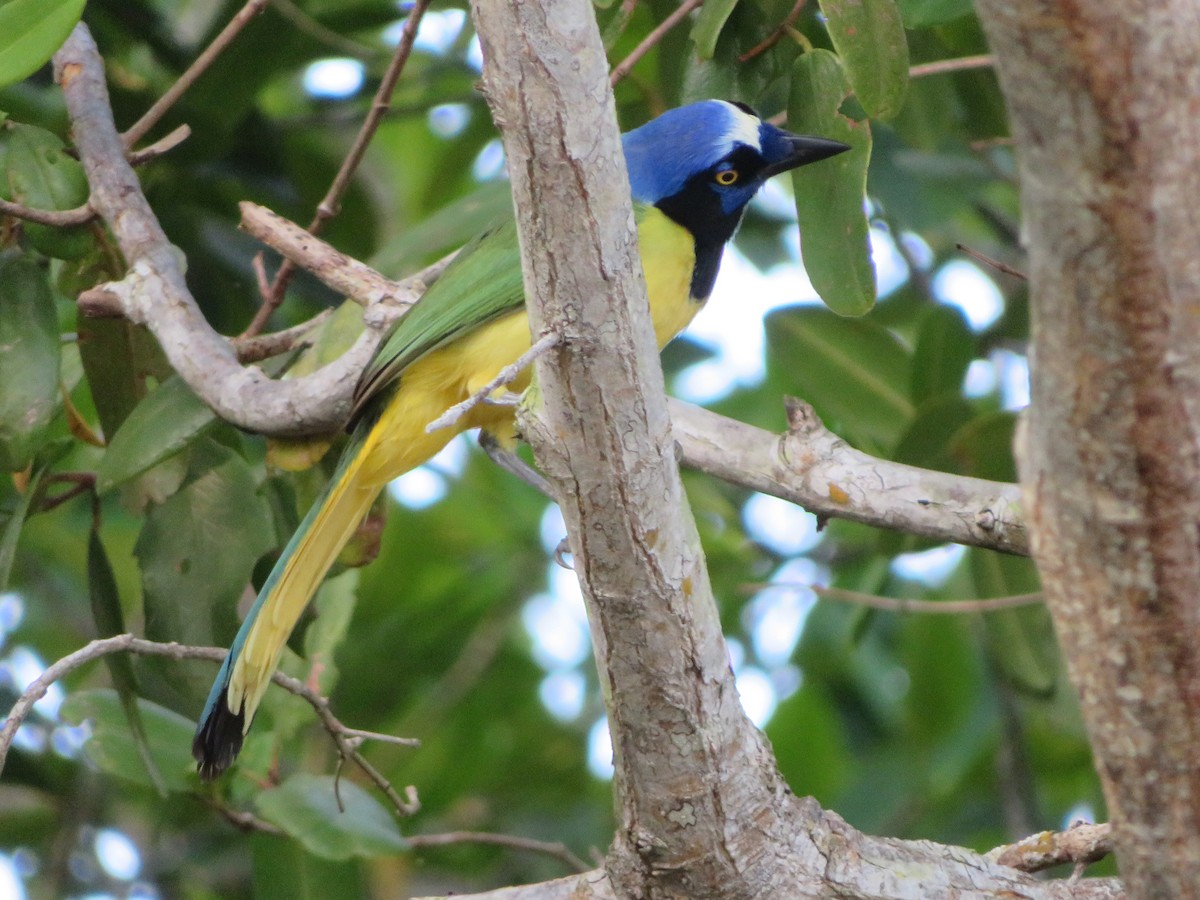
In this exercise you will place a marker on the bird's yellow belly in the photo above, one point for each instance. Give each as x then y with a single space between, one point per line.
455 372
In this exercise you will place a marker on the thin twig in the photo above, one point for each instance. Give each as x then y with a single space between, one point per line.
1082 843
551 848
345 739
264 346
163 145
921 70
331 203
943 66
506 376
151 117
774 37
900 604
348 747
621 69
56 218
310 26
994 263
243 820
81 483
81 215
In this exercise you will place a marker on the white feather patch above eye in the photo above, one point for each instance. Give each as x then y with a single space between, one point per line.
743 128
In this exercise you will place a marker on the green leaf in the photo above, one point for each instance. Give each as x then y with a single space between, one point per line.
1021 640
334 607
712 18
118 359
110 621
283 870
829 194
984 446
113 749
40 174
869 37
161 425
29 360
927 13
945 348
723 73
30 33
306 807
12 529
927 441
196 551
852 371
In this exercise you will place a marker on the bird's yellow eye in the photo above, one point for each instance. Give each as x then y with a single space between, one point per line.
726 177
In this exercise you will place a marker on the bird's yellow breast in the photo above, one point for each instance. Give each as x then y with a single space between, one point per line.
455 372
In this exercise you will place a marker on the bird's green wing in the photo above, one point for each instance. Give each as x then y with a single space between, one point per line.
482 283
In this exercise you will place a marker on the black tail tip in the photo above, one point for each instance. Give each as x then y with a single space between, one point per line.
218 740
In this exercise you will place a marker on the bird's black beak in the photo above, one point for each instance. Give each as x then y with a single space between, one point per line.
803 150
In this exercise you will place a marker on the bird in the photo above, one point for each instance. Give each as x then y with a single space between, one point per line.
692 171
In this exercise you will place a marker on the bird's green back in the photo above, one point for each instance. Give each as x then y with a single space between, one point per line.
482 283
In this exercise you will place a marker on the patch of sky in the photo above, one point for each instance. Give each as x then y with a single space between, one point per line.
552 529
447 120
12 611
599 750
1003 371
117 854
334 78
436 34
964 285
418 488
475 54
737 653
782 527
1080 812
19 670
980 379
775 617
68 740
427 484
12 884
489 163
1013 372
757 693
563 693
891 270
731 322
556 622
929 567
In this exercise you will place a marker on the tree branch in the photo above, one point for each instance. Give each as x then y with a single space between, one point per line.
809 465
154 292
346 739
625 66
207 57
556 849
331 203
1082 843
813 467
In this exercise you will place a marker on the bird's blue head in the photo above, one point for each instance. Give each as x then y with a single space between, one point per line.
703 162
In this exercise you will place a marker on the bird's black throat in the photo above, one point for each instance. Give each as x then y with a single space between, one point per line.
698 209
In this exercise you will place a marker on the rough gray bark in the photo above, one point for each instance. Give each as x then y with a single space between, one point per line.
1103 99
702 810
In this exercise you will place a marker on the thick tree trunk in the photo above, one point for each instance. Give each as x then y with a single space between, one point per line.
702 811
1105 106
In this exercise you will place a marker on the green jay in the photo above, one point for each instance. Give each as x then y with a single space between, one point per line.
692 171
